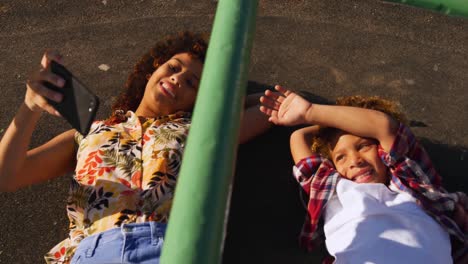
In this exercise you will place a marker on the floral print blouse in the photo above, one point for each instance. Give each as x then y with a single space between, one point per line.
125 173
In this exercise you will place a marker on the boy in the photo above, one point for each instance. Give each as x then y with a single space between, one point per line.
371 182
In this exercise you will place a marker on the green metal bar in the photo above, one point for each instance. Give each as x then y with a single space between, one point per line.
197 223
448 7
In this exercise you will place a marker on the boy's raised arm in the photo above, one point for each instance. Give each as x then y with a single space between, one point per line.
357 121
289 109
300 142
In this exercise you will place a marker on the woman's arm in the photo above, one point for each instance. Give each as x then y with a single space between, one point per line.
301 141
288 108
20 167
253 122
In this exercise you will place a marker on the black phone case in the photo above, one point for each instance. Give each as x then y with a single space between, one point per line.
79 105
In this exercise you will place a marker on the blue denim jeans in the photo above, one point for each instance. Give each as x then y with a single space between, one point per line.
131 243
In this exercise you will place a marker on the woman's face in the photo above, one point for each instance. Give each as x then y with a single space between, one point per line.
172 87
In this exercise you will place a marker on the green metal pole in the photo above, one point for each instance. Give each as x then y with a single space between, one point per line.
448 7
197 223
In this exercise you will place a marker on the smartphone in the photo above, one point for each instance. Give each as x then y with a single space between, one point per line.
79 105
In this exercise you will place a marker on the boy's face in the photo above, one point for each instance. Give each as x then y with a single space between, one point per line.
357 159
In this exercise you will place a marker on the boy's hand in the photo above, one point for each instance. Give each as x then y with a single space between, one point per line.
285 107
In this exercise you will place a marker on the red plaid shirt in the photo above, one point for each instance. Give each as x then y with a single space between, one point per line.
411 171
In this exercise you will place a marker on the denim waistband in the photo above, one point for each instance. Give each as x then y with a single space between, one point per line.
152 230
156 229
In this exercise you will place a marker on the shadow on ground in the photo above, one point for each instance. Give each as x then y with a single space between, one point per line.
451 162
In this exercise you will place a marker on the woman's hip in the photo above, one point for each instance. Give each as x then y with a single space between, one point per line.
130 243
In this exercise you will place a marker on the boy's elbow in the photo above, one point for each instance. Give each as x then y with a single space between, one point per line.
392 126
296 136
302 138
300 142
304 134
387 135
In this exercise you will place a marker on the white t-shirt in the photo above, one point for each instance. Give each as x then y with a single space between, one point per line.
369 223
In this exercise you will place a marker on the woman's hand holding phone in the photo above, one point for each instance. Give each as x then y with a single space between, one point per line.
37 93
54 89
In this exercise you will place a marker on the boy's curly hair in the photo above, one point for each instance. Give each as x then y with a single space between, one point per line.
184 42
324 138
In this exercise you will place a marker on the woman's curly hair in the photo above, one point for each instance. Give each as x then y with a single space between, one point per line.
184 42
322 142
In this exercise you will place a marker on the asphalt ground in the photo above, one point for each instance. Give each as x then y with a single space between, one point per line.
326 48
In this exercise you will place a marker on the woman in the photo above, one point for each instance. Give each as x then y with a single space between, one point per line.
126 168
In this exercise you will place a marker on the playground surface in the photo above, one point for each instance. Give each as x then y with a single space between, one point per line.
325 48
